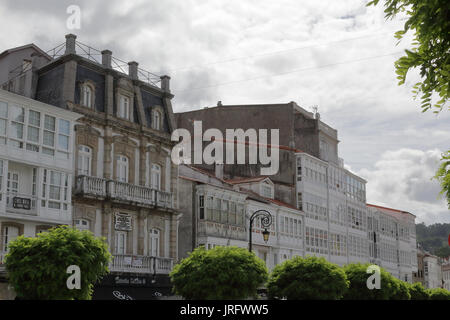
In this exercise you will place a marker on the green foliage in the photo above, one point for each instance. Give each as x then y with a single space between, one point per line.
434 238
37 267
401 290
307 278
443 176
418 292
430 51
439 294
220 273
357 275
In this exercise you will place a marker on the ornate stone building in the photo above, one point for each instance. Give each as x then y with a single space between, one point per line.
125 185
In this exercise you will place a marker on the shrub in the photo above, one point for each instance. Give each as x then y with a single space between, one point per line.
37 267
358 276
307 278
219 273
401 290
439 294
418 292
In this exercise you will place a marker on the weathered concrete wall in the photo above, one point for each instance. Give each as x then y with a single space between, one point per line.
277 116
186 227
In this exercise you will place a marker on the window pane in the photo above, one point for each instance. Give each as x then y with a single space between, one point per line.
2 127
33 134
64 126
49 138
54 192
3 109
55 178
35 118
63 142
48 151
17 113
49 123
17 130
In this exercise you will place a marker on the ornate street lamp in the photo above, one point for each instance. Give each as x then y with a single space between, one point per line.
266 221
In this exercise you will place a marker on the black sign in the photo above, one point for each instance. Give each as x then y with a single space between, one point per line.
21 203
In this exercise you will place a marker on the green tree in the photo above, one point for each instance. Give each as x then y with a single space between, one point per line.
358 276
401 290
418 292
439 294
430 52
307 278
220 273
37 267
443 176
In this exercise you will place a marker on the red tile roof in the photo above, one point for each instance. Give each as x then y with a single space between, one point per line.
389 209
245 180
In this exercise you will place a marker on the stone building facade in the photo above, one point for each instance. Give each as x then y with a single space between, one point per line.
125 184
337 224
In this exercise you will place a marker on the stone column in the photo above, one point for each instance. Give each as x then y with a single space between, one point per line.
107 154
142 161
141 230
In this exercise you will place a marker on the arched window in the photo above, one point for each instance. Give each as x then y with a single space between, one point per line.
84 160
81 224
154 242
87 95
157 120
122 168
156 177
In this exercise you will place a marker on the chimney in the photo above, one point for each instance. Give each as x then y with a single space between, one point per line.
218 167
106 58
133 70
70 43
219 103
165 83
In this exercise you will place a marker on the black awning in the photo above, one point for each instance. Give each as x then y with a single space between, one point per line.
130 293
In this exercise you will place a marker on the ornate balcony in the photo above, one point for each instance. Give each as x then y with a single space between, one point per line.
91 186
131 193
141 264
123 192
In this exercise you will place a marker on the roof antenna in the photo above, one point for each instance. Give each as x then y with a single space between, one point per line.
316 111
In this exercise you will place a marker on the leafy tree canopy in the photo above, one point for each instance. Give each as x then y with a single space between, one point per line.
418 292
357 275
37 267
307 278
220 273
430 50
439 294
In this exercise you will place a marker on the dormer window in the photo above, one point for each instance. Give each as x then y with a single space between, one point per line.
87 95
157 120
266 190
124 107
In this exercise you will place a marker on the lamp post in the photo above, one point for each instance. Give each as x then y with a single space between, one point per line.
266 221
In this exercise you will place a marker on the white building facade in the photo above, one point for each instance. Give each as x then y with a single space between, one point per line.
340 227
36 167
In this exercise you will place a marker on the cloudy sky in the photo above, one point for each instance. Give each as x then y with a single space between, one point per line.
337 55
